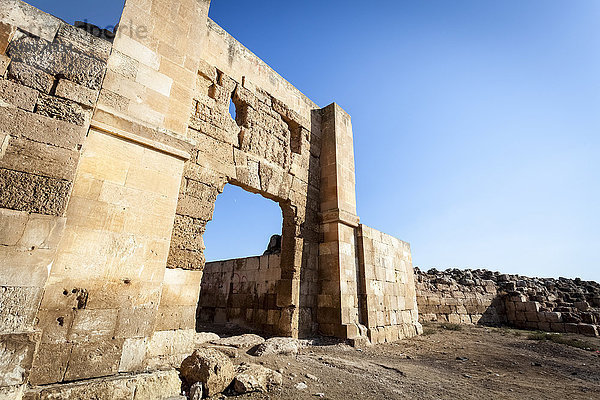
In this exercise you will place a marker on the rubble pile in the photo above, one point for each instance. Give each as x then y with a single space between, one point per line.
489 298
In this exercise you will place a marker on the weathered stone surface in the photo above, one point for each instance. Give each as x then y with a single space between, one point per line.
57 59
92 359
31 157
29 76
4 61
17 95
243 341
33 193
82 41
77 93
149 386
277 345
6 32
29 19
204 337
64 110
255 378
16 357
211 367
42 129
18 306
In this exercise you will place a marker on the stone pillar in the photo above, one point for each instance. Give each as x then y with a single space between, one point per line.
338 309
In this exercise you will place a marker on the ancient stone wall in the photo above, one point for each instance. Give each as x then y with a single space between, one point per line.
459 297
242 291
387 297
112 154
50 77
491 298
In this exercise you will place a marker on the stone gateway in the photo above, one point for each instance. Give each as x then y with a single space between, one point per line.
113 151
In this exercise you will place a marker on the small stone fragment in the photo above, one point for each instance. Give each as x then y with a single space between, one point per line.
277 345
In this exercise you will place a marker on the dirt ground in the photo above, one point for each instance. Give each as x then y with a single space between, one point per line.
470 363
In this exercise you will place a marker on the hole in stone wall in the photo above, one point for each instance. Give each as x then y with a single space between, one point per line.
232 110
242 225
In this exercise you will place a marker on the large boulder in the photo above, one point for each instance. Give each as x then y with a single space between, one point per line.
255 378
277 345
210 367
242 341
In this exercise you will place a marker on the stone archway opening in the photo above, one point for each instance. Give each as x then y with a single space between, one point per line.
242 274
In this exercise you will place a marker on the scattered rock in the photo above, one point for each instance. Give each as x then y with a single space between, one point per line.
277 345
255 378
240 342
312 377
320 395
210 367
205 337
462 359
300 386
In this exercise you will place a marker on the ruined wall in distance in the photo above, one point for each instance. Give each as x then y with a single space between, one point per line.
491 298
242 291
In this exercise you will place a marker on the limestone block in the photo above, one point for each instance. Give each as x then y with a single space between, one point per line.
29 19
57 59
93 359
64 110
134 354
6 34
50 363
135 322
137 51
84 42
31 157
16 357
93 325
77 93
160 385
211 367
18 95
18 307
12 392
31 77
41 128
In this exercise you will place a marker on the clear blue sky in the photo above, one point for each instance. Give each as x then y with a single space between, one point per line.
476 122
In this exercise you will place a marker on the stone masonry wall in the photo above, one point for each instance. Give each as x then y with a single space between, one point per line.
388 297
242 291
485 297
459 297
50 77
112 154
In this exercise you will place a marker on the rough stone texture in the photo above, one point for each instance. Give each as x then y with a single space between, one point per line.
486 297
151 386
108 181
243 341
277 345
16 356
17 95
58 59
29 76
243 291
255 378
211 367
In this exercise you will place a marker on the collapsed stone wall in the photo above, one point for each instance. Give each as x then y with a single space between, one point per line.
486 297
459 297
